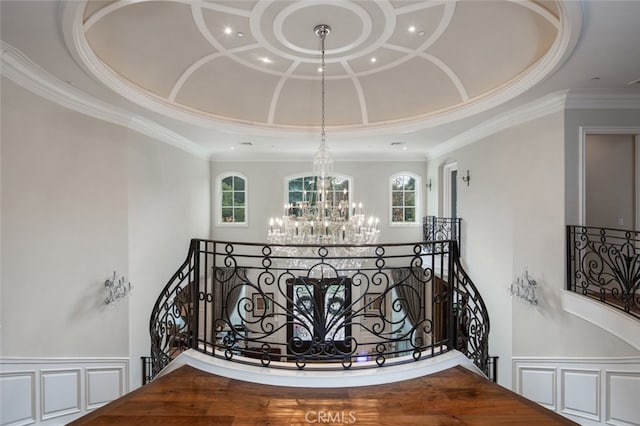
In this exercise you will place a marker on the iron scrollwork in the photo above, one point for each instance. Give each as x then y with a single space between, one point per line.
298 306
604 264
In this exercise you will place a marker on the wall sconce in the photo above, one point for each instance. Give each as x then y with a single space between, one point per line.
429 185
116 288
466 178
525 289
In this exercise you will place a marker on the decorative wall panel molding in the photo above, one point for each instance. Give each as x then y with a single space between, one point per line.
590 391
17 397
49 391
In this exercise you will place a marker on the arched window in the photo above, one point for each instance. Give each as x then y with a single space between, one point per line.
405 199
231 199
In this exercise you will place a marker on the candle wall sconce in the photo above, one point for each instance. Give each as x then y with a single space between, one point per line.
429 185
117 289
466 179
525 289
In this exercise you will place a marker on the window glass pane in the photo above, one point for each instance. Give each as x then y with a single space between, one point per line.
238 214
238 198
334 305
410 214
303 308
396 198
227 199
397 183
227 183
410 199
295 197
295 185
309 183
238 183
396 215
227 215
409 183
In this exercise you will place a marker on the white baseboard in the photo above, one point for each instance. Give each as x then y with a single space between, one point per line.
55 391
590 391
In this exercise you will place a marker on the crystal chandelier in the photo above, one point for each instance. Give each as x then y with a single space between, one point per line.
326 221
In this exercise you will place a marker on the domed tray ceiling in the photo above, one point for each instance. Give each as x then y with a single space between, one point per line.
257 62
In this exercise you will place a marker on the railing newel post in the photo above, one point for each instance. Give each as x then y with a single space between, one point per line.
195 290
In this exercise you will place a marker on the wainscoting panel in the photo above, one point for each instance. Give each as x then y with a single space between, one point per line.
622 397
54 391
60 390
582 393
103 385
590 391
17 398
539 384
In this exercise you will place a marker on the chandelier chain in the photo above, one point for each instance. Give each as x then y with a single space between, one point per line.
323 34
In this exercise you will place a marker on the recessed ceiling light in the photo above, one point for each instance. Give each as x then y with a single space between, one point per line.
232 148
228 30
266 60
373 59
319 69
412 29
240 34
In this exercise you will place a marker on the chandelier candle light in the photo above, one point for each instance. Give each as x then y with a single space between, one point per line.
325 221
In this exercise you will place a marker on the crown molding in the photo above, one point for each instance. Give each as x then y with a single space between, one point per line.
603 99
18 68
549 104
541 107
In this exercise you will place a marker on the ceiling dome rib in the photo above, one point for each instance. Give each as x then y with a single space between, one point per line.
387 36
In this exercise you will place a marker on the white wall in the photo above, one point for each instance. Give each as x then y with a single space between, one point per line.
81 198
371 186
168 200
513 215
64 230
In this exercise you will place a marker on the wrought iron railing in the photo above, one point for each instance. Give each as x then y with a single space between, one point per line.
441 229
604 264
147 369
319 306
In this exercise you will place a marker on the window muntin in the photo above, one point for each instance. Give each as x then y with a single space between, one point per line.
232 200
404 198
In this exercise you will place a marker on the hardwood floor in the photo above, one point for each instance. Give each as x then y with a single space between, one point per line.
452 397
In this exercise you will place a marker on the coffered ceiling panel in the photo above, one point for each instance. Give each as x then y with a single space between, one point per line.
490 43
342 104
221 88
149 44
405 99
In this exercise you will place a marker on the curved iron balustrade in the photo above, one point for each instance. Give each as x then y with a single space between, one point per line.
305 306
604 264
